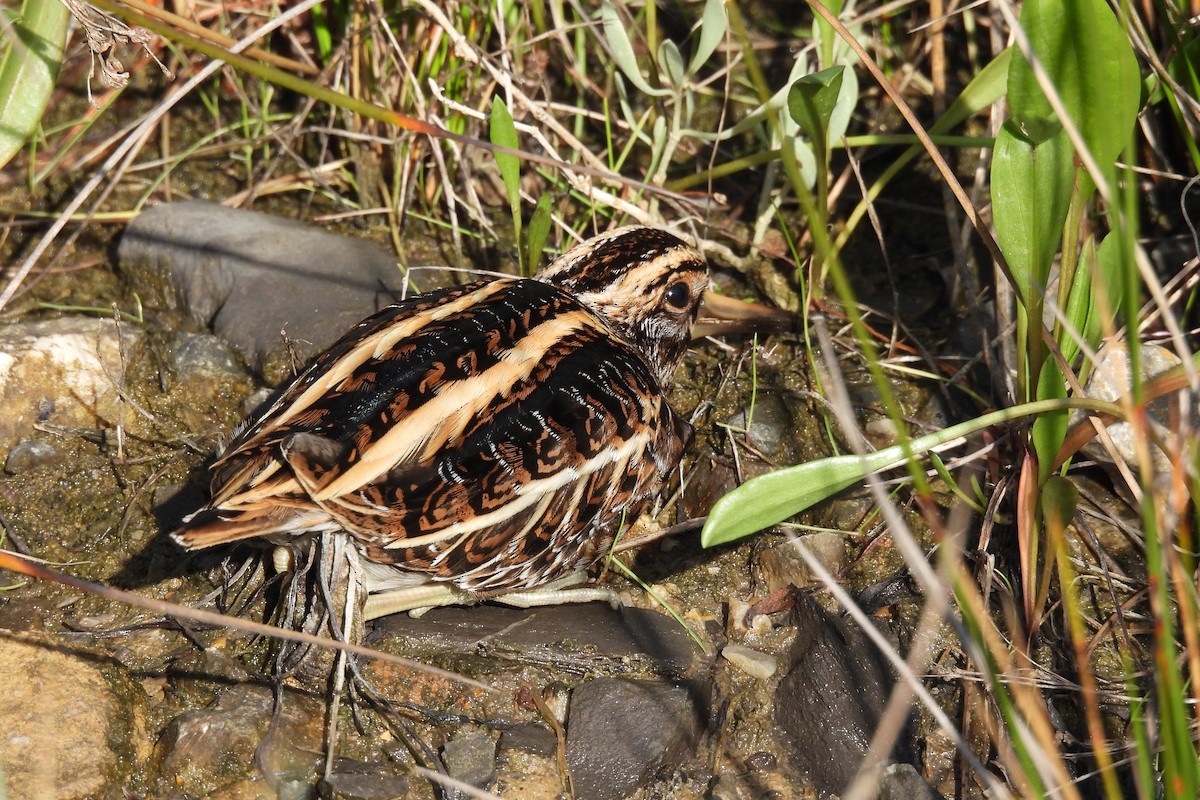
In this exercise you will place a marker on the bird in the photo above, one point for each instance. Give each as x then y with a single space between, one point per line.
480 442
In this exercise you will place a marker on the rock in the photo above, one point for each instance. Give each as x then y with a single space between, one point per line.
782 565
28 454
621 732
754 663
585 637
834 688
1110 379
203 750
252 277
357 780
470 758
529 738
770 422
62 372
202 355
70 727
903 782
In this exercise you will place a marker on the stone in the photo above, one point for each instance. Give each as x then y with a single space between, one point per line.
202 355
622 732
1110 379
781 565
357 780
29 454
471 758
584 637
63 372
204 749
254 278
754 663
829 700
70 728
903 782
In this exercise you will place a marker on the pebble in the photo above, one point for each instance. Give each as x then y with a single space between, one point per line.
470 758
782 565
754 663
29 454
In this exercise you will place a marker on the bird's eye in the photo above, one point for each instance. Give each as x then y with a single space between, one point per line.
678 296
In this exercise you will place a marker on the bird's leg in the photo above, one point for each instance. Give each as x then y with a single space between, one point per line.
416 600
566 589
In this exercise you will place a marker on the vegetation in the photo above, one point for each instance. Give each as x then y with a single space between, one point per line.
774 134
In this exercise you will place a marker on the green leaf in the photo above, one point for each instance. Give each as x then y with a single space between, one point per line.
811 101
769 499
539 231
32 53
713 25
503 133
1031 190
1049 429
1091 64
622 49
672 63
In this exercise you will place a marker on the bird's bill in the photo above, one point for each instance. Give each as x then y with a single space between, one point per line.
720 315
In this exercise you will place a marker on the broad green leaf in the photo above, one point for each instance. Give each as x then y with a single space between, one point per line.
811 101
1081 302
713 25
539 231
1108 286
1050 428
1091 64
769 499
1059 498
671 63
32 53
1031 190
622 49
503 133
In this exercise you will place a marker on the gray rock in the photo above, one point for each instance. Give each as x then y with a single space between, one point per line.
530 738
357 780
470 758
202 355
587 637
70 729
780 565
903 782
63 372
204 749
252 276
28 454
621 732
770 423
828 703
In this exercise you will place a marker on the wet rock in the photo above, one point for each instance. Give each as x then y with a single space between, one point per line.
770 422
586 637
62 372
202 355
530 738
70 728
251 276
828 703
203 750
781 565
470 758
903 782
621 732
357 780
28 454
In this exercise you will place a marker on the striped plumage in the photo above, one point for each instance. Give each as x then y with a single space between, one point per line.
490 437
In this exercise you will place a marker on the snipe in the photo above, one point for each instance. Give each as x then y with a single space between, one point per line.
480 442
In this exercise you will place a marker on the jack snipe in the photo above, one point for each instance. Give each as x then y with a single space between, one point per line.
478 442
